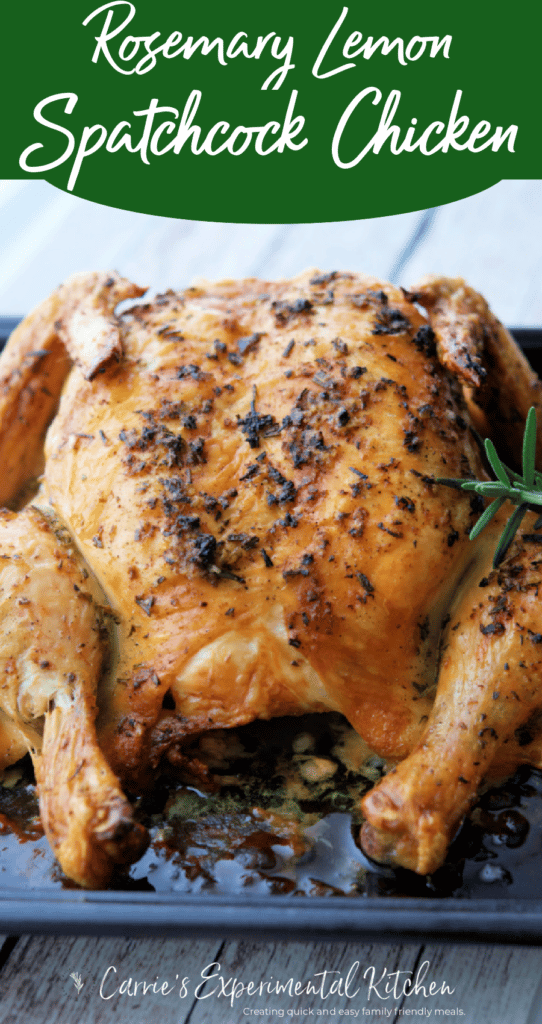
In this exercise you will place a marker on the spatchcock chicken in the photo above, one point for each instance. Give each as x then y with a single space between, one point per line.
236 516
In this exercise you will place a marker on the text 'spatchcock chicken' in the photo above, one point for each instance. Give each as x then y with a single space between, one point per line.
236 516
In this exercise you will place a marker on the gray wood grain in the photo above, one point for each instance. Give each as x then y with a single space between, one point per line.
492 984
303 963
489 985
535 1015
36 986
493 240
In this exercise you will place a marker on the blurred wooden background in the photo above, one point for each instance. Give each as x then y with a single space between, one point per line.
491 239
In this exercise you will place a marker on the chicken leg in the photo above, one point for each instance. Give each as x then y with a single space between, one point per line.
51 653
489 685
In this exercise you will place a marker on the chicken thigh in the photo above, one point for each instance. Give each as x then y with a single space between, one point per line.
246 474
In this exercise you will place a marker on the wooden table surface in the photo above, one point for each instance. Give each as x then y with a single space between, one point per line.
493 240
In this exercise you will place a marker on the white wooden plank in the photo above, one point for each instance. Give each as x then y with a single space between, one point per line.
173 253
28 233
369 246
48 235
493 240
9 189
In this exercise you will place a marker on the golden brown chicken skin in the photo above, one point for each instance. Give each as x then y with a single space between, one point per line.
247 471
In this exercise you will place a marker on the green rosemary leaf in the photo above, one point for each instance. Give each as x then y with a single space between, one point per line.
495 463
516 478
492 489
486 517
508 535
523 491
522 495
529 447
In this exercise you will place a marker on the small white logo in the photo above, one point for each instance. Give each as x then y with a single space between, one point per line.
76 978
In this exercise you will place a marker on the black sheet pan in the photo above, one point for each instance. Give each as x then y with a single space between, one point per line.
509 918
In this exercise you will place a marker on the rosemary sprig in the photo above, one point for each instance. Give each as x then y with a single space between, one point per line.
524 491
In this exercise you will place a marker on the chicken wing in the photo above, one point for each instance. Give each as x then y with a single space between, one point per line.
499 385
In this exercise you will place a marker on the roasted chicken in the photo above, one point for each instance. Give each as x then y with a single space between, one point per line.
236 516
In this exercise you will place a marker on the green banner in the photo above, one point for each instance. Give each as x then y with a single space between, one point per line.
278 113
